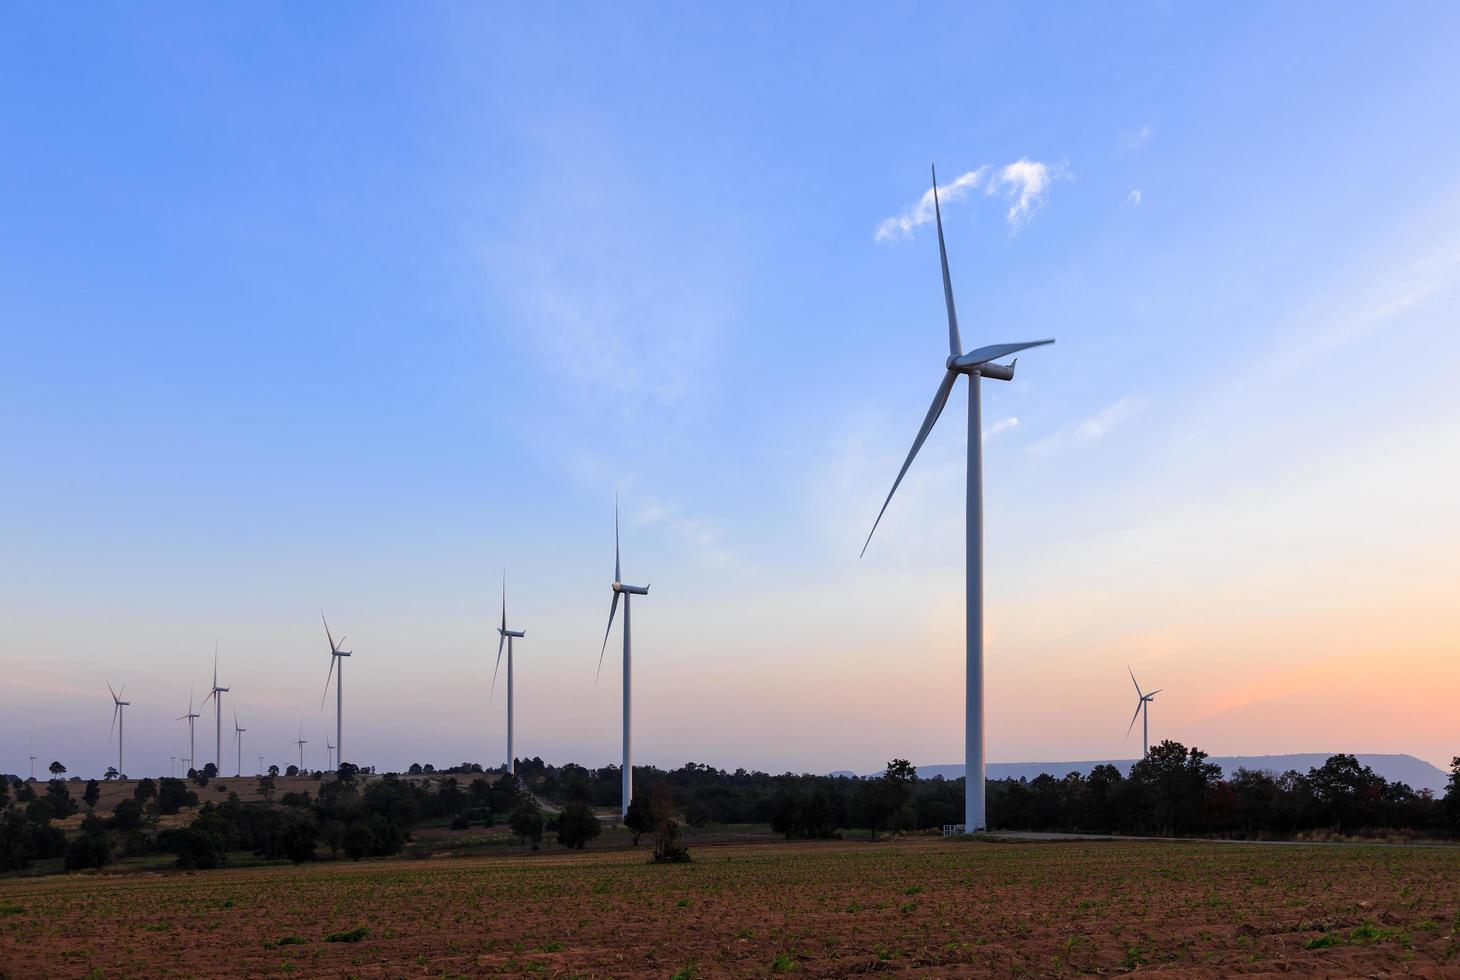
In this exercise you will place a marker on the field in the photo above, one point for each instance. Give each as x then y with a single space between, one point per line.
816 909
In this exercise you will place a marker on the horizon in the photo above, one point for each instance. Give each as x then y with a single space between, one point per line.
336 312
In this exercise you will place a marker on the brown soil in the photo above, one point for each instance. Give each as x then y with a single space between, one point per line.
925 906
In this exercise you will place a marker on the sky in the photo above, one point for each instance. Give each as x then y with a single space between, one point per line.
350 308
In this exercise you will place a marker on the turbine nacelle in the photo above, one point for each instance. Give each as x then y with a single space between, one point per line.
630 589
518 634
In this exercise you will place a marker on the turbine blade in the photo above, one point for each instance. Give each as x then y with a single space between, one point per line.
116 710
327 678
327 631
955 343
1154 693
109 688
1133 680
504 597
940 398
611 610
617 575
501 642
995 351
1133 719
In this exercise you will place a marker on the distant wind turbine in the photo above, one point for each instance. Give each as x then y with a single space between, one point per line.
975 364
302 741
190 718
238 731
216 696
507 636
119 725
261 763
339 676
1143 711
627 591
30 747
329 751
172 766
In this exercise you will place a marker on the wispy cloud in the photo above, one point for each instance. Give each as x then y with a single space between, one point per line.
1092 428
1133 199
1000 427
901 226
1024 181
1137 139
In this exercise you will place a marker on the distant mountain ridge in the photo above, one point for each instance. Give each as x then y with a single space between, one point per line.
1418 773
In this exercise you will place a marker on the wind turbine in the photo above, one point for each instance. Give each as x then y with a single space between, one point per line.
261 763
329 751
172 766
216 696
119 725
507 636
335 654
627 591
238 737
976 364
30 747
301 743
1143 711
190 718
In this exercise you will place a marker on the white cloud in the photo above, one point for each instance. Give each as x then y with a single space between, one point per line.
1025 181
901 226
1091 429
1000 427
1133 199
1137 140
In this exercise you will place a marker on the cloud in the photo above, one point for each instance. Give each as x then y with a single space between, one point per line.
1091 429
1000 427
1133 199
901 226
1131 142
1025 182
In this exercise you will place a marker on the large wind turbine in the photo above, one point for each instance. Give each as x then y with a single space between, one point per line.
302 741
975 364
238 737
1143 711
190 718
339 675
627 591
507 636
119 725
216 695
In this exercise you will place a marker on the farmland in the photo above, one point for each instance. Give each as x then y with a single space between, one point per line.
815 909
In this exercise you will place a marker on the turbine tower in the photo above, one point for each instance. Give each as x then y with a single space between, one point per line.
216 696
627 591
190 718
261 763
339 676
507 636
238 737
302 741
976 364
1143 711
119 726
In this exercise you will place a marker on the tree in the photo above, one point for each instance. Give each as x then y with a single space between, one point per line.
347 772
57 769
266 788
526 822
59 796
415 769
173 795
639 820
145 790
1348 791
1176 782
1452 796
92 794
577 825
127 816
274 771
111 773
668 847
90 850
899 779
292 771
211 770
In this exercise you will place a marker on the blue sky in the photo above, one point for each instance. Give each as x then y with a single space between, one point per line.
350 307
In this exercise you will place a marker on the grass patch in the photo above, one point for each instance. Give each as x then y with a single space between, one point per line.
784 962
1365 935
348 935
